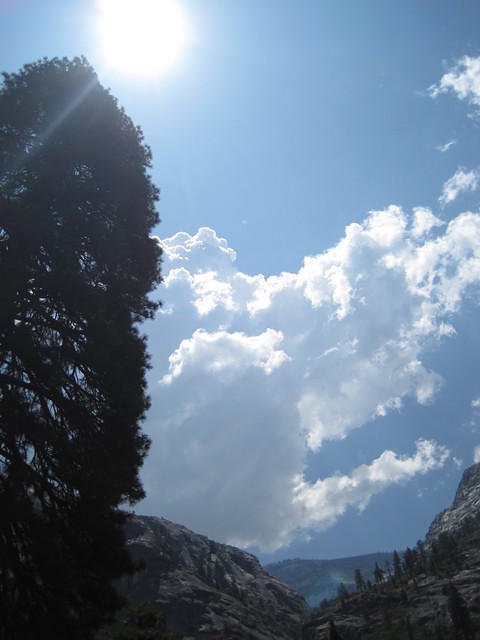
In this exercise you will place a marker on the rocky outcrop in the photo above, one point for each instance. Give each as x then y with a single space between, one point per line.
465 505
206 589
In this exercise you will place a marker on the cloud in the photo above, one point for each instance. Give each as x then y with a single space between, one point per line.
423 222
222 352
476 403
324 501
252 374
476 454
463 79
459 182
443 148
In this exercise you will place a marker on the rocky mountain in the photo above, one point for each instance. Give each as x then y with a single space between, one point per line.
421 606
465 504
206 589
317 580
436 593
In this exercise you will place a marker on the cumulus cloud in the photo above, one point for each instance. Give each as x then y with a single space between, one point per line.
423 222
476 403
476 454
463 79
227 352
460 181
251 373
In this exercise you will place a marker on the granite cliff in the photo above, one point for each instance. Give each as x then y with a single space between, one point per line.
207 589
465 505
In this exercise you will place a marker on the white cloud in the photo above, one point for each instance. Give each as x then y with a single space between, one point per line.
476 454
423 222
460 181
463 79
443 148
476 403
457 461
222 352
259 370
324 501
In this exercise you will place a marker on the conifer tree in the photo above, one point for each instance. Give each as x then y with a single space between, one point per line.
397 567
378 574
77 263
459 613
359 581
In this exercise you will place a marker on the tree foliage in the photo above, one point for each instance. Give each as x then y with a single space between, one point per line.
76 264
141 622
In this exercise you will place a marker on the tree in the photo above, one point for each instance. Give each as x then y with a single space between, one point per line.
77 263
409 561
141 622
332 631
342 591
378 574
359 581
459 613
397 567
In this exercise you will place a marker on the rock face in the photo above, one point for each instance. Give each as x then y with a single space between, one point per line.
206 589
465 505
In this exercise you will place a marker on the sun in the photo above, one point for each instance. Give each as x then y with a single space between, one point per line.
142 37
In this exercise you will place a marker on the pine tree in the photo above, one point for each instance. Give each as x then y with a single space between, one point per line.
332 632
76 264
359 581
397 567
459 613
378 574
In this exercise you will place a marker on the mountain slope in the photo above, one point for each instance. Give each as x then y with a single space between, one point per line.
317 580
206 589
420 601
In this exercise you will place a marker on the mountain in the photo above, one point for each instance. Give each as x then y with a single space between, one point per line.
436 593
465 504
317 580
206 589
211 590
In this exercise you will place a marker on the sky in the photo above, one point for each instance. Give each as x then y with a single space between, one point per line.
315 364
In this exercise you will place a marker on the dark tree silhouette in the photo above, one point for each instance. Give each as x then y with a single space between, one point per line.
359 581
378 574
76 265
332 632
141 622
397 567
459 613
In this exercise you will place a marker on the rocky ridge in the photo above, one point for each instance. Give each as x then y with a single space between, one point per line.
207 589
416 605
465 504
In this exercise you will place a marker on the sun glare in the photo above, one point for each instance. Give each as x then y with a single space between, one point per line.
142 37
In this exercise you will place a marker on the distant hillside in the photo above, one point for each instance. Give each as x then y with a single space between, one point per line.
317 580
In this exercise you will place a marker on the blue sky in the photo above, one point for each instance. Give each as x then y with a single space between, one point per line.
315 368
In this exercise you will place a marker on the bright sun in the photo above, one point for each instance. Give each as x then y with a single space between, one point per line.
142 36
